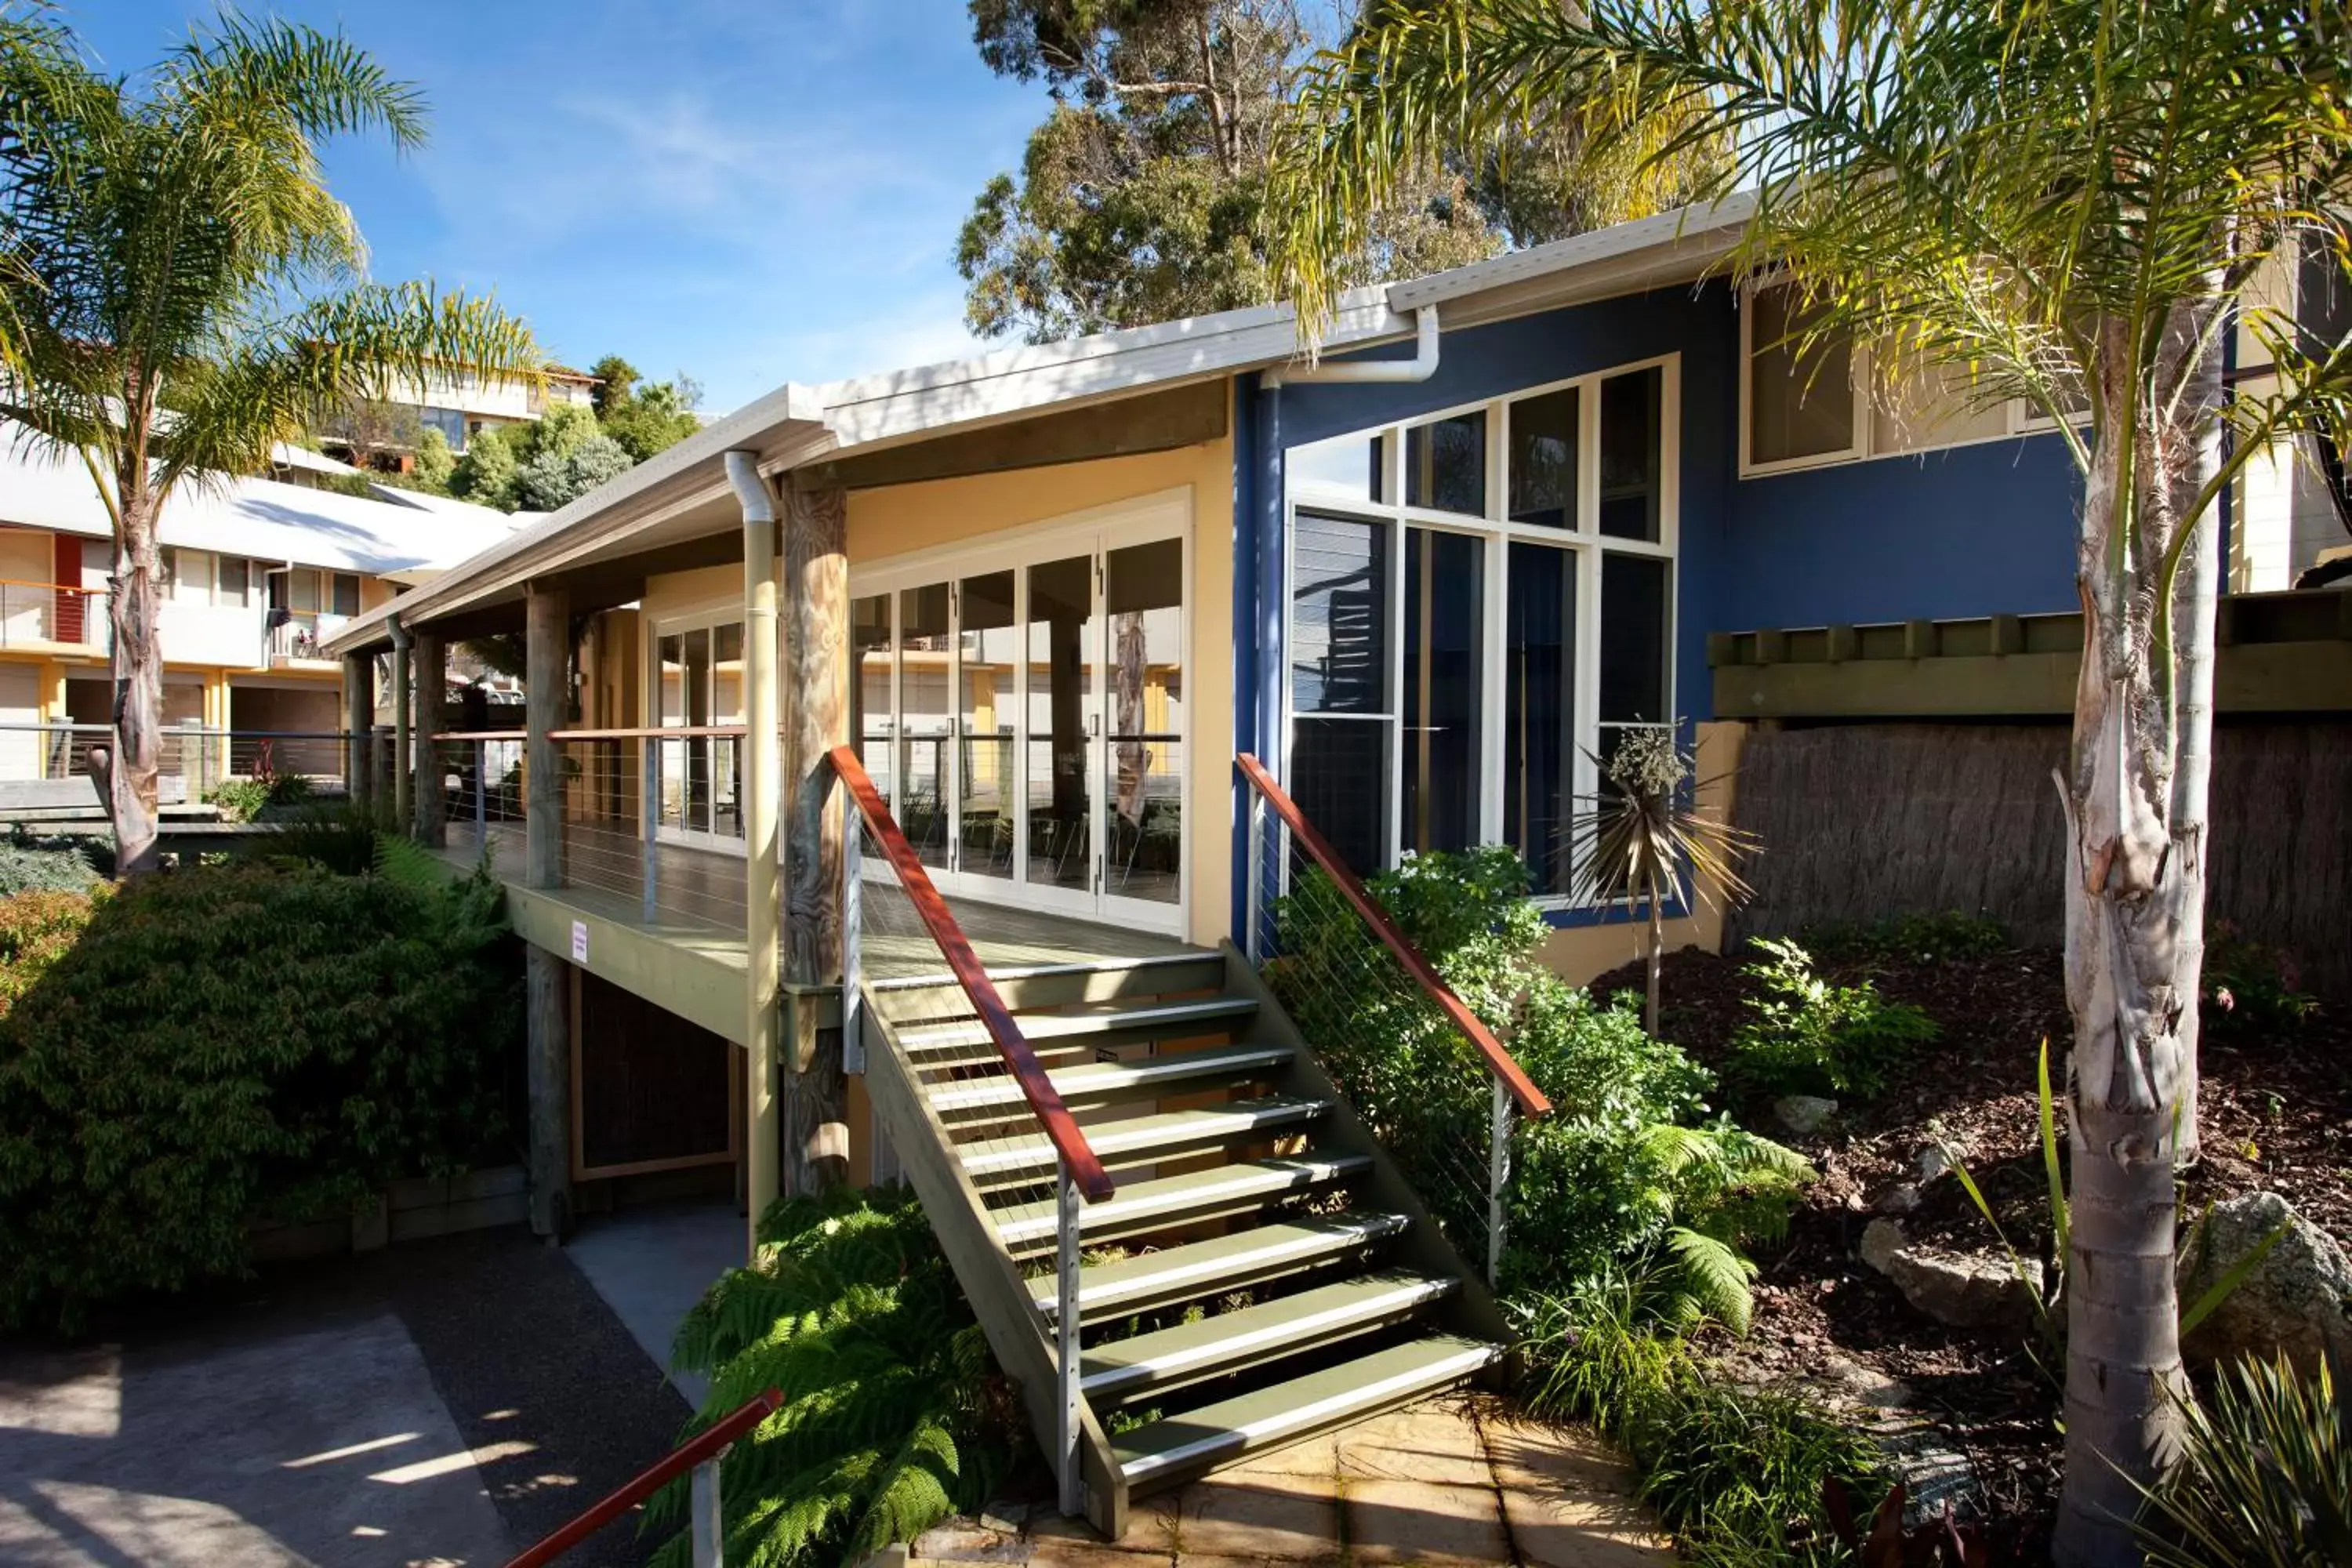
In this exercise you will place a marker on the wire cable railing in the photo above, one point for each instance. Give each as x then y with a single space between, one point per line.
1426 1073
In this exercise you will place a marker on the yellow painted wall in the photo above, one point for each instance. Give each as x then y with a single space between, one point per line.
1582 954
904 518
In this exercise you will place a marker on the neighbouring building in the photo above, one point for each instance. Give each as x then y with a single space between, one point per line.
461 404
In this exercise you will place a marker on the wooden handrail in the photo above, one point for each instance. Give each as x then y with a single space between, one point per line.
1531 1100
1070 1144
708 1444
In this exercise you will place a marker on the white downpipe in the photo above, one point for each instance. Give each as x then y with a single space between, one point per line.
763 769
1419 367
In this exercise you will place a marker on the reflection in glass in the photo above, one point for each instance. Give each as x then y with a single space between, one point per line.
726 708
670 713
1629 454
1539 713
1338 765
1143 594
1798 404
1445 464
1345 470
987 667
926 719
1543 459
1062 634
1444 583
1338 616
697 715
869 693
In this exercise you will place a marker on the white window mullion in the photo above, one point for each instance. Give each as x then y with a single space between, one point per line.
1392 803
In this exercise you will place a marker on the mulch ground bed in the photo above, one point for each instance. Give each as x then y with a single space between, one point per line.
2275 1114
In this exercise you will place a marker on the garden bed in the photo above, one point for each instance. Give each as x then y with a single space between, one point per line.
2276 1115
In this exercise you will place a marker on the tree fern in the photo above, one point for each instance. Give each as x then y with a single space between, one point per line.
849 1310
1717 1276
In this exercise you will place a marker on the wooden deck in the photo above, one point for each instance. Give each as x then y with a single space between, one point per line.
699 909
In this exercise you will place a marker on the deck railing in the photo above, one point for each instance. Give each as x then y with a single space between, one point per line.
991 1132
51 614
700 1453
47 766
1366 998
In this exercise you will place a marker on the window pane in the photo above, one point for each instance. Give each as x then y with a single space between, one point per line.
1915 405
869 694
1061 681
229 586
989 661
923 654
669 711
727 708
1339 617
1445 465
1630 425
1348 467
697 714
1543 459
1798 405
1634 626
1444 583
303 583
1144 592
1539 713
1336 767
347 594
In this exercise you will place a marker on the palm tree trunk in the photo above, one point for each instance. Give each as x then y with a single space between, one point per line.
2135 904
134 609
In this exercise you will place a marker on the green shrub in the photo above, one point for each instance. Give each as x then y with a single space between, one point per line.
240 800
1923 939
1737 1475
894 1417
1808 1036
216 1044
2265 1478
2252 992
1630 1162
30 865
342 838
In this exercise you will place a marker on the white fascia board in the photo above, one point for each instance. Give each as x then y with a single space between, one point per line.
1689 237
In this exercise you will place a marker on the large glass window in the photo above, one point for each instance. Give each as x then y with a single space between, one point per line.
1799 392
1061 683
870 695
925 719
698 685
1143 594
1453 684
990 667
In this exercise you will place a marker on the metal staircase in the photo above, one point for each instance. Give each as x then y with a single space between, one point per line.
1261 1273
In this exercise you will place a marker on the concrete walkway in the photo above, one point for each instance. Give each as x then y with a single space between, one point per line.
1453 1481
651 1264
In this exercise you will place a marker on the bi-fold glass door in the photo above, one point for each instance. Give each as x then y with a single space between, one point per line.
1023 710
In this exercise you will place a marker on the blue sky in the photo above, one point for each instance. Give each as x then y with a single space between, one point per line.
750 191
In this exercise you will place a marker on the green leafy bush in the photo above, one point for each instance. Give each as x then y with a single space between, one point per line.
894 1415
30 865
1629 1163
1737 1475
240 800
342 838
2251 991
1809 1037
2265 1478
1922 939
215 1043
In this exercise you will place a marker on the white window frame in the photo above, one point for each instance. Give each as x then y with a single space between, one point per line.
2020 418
1584 541
710 617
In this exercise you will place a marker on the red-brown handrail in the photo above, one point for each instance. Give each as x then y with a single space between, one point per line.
1077 1155
708 1444
1531 1100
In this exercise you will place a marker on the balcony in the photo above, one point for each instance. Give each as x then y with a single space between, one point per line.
52 616
301 639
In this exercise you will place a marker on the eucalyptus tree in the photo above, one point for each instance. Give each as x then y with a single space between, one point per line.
186 292
2076 203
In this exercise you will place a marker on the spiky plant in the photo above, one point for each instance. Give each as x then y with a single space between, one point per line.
1645 839
894 1417
2264 1478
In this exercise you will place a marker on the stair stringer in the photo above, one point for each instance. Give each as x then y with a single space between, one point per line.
1471 1309
992 1281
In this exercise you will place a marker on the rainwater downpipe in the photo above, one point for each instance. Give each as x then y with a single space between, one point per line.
1419 367
764 768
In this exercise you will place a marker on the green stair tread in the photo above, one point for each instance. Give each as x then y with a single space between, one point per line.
1266 1418
1092 1018
1170 1198
1095 1079
1260 1333
1267 1114
1222 1263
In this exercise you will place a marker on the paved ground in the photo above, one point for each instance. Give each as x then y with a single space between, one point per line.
651 1266
1451 1480
441 1401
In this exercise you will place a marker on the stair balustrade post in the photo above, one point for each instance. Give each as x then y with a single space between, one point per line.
1066 1361
1498 1181
853 929
709 1526
1253 943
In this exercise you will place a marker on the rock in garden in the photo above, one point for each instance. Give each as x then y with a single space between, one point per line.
1900 1198
2297 1299
1804 1114
1964 1289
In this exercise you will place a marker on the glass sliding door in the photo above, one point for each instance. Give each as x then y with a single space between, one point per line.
698 685
873 693
987 676
926 719
1143 596
1444 589
1062 721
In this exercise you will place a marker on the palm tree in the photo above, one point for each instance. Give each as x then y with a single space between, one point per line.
2064 201
182 290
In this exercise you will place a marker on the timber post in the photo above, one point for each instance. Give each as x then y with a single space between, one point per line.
816 675
430 663
763 777
400 685
547 988
359 725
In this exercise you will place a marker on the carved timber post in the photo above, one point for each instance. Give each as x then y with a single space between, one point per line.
359 725
547 980
816 682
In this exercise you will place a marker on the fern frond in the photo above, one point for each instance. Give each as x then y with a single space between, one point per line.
1718 1276
913 1492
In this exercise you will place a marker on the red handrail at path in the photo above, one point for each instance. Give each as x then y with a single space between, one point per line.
1077 1155
1531 1100
708 1444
